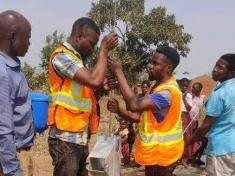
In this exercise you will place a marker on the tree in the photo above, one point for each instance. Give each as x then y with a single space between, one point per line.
28 73
36 81
139 33
52 42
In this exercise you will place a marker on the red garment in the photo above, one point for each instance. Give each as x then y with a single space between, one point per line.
125 153
123 133
188 153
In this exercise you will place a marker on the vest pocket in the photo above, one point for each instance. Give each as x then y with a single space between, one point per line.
70 120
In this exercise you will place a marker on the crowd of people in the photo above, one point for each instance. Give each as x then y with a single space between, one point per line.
162 121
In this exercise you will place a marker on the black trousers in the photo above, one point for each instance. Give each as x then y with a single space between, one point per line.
201 149
1 171
160 170
68 159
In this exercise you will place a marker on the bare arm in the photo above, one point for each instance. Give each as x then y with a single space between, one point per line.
134 103
95 77
131 116
202 130
114 107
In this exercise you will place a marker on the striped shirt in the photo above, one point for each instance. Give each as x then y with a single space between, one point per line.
66 67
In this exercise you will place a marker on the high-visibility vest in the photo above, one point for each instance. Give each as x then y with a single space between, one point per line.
161 143
73 107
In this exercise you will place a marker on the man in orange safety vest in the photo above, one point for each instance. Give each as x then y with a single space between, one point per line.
73 112
159 141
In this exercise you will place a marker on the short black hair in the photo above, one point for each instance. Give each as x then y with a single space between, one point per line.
198 85
230 58
171 54
183 80
145 82
80 23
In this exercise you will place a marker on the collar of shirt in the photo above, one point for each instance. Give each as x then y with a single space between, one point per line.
71 48
67 45
229 81
153 86
10 61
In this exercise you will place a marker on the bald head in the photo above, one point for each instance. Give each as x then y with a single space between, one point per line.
13 28
12 21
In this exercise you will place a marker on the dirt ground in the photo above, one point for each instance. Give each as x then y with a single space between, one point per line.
37 162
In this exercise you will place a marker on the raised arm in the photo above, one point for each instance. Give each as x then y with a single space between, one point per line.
133 102
95 77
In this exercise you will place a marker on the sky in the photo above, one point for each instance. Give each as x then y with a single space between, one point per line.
210 22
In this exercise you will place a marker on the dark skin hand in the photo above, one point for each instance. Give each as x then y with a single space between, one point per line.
102 89
134 103
95 77
113 106
202 130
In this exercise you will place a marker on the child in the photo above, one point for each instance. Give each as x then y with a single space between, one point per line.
198 101
123 133
144 88
184 84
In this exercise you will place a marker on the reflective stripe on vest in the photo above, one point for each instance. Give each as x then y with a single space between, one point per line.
167 138
150 139
155 139
72 100
81 104
76 89
72 105
145 124
161 143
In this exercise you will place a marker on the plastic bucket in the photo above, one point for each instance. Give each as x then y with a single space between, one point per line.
40 111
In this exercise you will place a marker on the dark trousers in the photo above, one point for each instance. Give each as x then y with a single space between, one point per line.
201 149
68 159
160 170
1 171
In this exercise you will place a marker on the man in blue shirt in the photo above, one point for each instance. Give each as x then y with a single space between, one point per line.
220 120
16 122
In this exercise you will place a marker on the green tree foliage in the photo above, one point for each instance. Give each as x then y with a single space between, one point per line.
139 33
28 73
52 42
36 81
